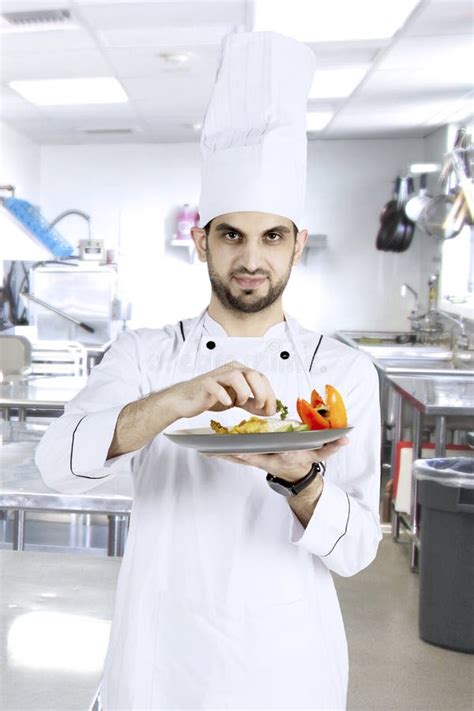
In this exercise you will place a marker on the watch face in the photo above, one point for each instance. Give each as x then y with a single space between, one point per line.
283 490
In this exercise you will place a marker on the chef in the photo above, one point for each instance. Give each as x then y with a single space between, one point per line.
225 598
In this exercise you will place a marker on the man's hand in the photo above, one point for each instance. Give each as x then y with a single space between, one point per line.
291 466
231 385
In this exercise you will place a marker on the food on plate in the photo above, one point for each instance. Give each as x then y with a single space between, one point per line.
318 414
258 425
323 415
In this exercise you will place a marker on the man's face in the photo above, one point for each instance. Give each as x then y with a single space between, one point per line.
249 257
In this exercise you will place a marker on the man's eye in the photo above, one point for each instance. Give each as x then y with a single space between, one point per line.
232 236
273 237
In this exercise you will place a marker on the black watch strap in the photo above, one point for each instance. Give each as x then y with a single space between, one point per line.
293 488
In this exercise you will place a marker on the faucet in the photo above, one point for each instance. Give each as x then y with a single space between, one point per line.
413 317
73 212
462 340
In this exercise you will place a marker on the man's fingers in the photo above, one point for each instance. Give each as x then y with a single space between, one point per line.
262 391
218 393
239 384
228 367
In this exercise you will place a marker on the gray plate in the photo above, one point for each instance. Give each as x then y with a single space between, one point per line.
208 442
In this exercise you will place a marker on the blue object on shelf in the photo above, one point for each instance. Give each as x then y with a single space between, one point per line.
31 218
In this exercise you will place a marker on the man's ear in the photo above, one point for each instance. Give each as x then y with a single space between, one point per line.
200 240
301 239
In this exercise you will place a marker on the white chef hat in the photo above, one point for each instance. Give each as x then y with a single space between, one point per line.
253 141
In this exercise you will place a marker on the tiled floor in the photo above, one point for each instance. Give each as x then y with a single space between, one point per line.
391 668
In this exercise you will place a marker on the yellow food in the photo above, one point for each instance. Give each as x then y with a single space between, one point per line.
250 426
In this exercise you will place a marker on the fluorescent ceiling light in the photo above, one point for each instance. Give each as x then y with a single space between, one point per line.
64 92
175 57
337 83
339 20
317 120
420 168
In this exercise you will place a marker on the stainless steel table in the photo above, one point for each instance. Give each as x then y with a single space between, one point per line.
439 396
55 620
45 393
23 490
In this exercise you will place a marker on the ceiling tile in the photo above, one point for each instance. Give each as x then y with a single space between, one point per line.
427 81
164 36
443 17
147 62
126 15
51 41
173 93
63 64
415 108
100 112
13 106
329 54
445 52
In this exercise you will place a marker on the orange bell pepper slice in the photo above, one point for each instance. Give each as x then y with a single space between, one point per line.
336 407
316 399
311 417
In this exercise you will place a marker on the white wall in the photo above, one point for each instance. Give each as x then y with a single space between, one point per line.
19 163
132 192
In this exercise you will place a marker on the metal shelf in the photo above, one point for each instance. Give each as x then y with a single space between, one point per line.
185 244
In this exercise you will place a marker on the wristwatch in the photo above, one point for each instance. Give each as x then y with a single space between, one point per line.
293 488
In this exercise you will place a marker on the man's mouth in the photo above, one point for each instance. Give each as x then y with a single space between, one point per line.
250 282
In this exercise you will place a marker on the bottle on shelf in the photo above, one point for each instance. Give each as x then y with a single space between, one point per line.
187 217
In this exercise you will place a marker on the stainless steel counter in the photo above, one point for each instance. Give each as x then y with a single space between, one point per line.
39 393
23 490
437 395
441 398
55 621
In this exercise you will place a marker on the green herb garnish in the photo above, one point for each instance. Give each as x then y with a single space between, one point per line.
282 409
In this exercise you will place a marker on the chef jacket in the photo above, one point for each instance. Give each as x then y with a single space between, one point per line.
224 600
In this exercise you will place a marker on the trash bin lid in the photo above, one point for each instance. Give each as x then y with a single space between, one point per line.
449 471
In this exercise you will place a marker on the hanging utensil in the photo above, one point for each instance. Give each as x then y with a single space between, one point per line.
437 218
415 205
397 230
386 215
464 182
434 216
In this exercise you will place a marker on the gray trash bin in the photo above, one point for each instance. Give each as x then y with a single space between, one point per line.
446 498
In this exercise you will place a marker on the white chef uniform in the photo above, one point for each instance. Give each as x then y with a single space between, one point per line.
224 601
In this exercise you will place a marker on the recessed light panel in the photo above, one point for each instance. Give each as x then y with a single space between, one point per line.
65 92
337 83
339 20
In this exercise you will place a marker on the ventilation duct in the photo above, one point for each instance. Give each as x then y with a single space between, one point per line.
37 20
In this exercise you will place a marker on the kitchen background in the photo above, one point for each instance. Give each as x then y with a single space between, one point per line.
393 93
393 86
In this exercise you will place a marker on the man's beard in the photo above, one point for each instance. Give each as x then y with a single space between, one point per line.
239 303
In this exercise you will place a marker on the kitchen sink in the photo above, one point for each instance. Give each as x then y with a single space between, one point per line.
391 353
424 365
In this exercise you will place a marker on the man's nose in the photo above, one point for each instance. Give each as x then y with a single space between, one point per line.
250 256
